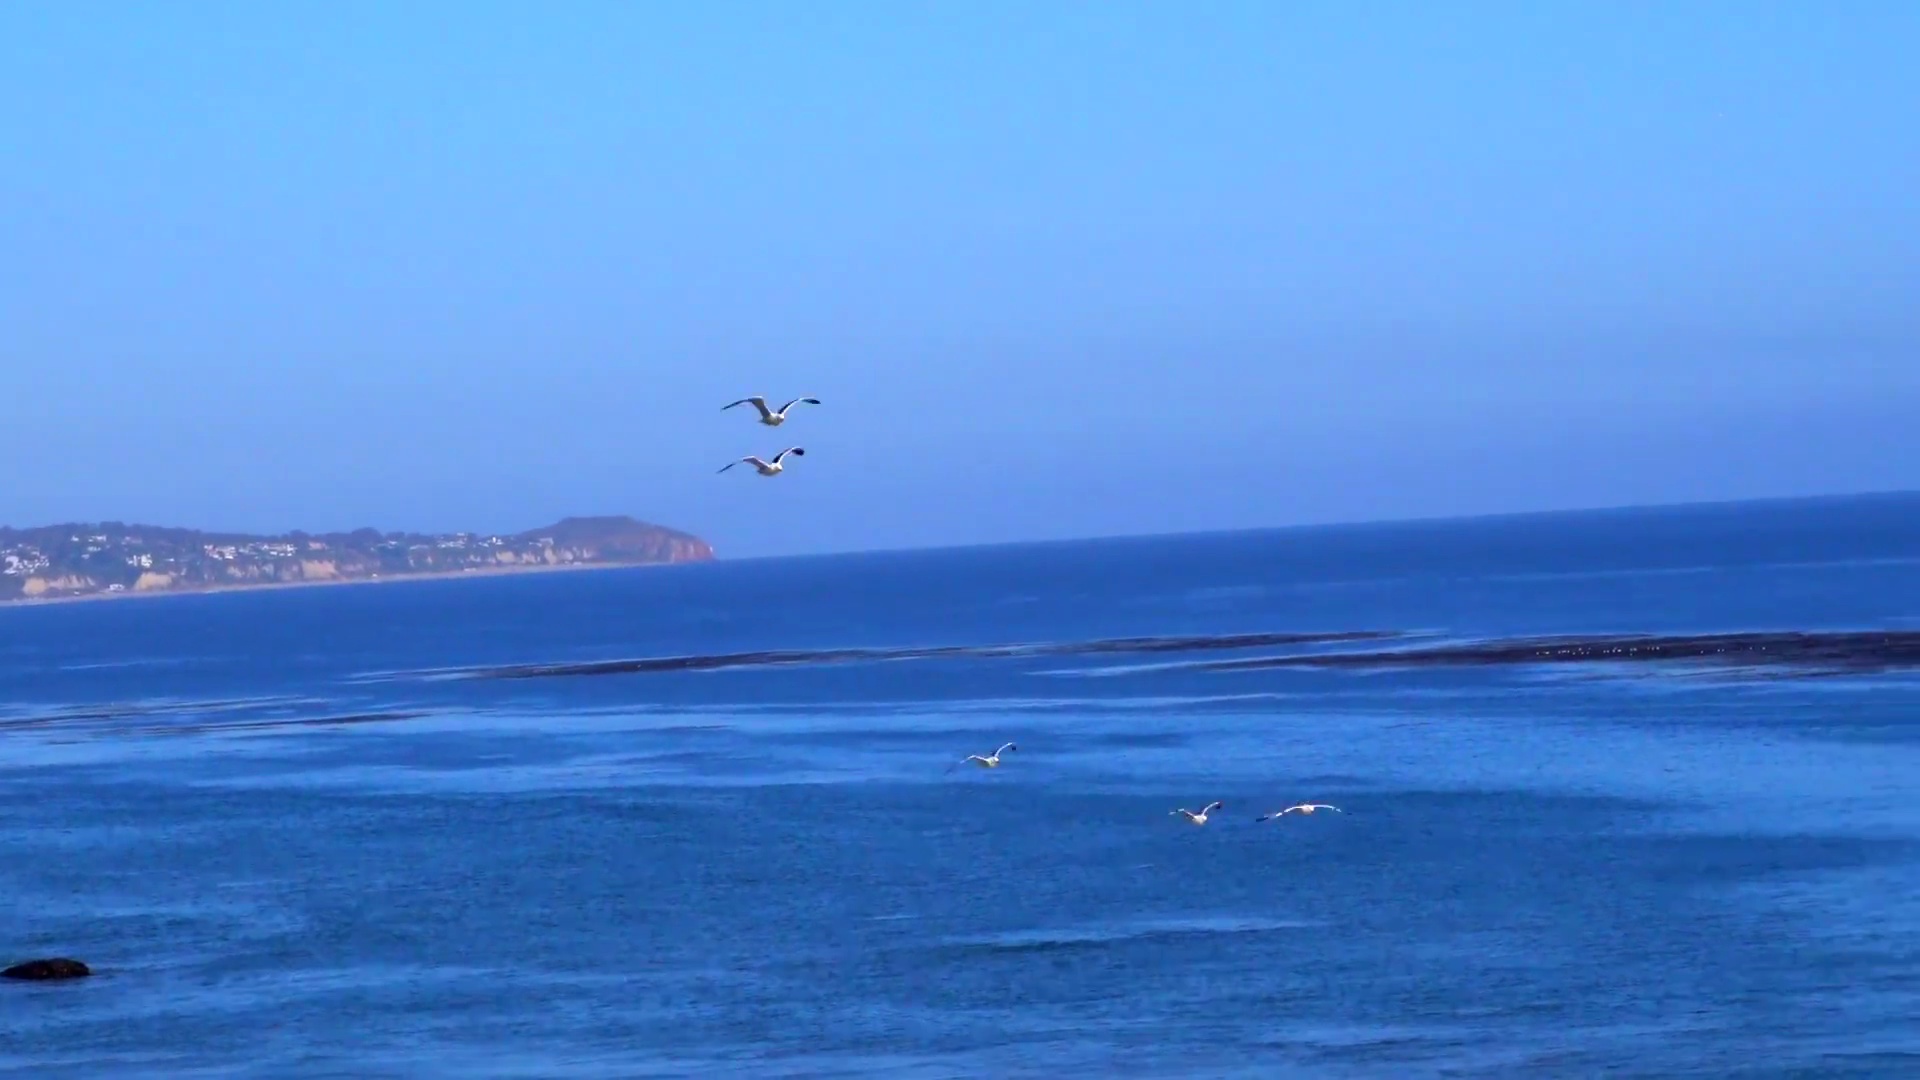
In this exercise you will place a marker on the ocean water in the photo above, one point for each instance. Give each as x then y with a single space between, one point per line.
703 820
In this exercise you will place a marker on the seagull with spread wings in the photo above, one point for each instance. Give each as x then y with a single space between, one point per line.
1201 817
771 417
767 468
989 761
1303 808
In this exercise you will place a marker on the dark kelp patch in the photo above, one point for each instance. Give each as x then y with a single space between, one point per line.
1811 651
789 657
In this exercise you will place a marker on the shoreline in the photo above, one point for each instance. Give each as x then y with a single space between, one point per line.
378 579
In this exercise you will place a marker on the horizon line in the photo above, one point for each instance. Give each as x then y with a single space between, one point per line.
1351 523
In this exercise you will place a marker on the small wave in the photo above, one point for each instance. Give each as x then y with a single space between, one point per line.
137 662
1053 939
197 717
113 712
1113 671
277 723
1145 740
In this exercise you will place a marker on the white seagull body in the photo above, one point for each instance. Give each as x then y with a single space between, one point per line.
1303 808
767 468
771 417
1201 817
990 761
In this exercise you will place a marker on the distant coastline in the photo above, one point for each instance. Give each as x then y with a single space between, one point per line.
276 586
111 561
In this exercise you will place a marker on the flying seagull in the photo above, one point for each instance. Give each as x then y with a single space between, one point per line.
1304 808
991 761
771 417
1201 817
767 468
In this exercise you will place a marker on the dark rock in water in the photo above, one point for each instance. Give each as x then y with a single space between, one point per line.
58 968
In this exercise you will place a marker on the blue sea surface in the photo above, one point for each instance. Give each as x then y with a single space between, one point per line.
346 832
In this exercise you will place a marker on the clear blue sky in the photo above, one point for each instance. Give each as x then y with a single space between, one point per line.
1057 269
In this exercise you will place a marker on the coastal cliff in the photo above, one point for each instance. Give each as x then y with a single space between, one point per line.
113 558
